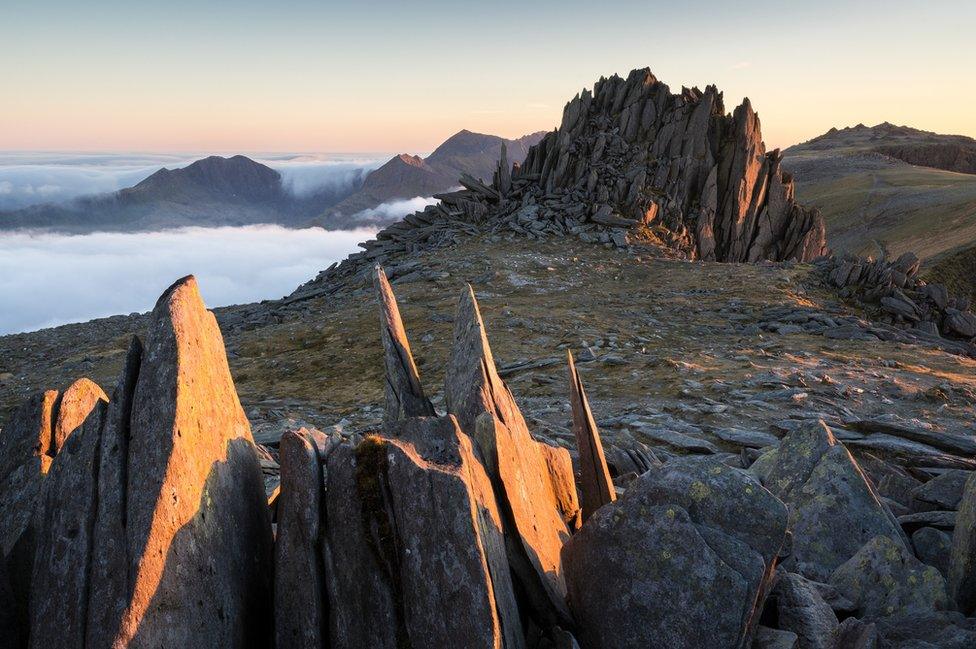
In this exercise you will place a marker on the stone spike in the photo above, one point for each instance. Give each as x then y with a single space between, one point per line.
596 487
521 473
404 393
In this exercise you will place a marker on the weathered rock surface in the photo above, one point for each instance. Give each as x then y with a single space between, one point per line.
73 407
194 493
801 609
414 550
834 508
486 409
962 568
301 615
884 579
683 559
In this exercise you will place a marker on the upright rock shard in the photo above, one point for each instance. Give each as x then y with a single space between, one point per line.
962 567
197 534
73 407
404 393
154 527
596 487
486 409
301 620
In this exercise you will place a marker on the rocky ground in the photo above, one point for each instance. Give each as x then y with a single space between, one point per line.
682 356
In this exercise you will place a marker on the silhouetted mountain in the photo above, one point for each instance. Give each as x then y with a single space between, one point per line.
408 176
213 191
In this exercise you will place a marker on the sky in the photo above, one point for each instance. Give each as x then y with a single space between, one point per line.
315 76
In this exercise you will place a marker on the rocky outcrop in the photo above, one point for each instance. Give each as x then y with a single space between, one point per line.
153 528
683 559
414 544
630 161
902 298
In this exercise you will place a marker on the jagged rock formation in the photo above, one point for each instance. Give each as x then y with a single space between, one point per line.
152 529
630 160
903 298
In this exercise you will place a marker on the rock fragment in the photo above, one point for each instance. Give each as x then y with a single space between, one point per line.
596 487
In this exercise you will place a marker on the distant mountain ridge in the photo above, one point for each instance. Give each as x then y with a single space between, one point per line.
236 190
408 176
213 191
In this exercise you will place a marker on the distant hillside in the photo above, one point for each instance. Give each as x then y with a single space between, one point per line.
874 192
213 191
408 176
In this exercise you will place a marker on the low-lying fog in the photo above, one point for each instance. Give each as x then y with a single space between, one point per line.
50 279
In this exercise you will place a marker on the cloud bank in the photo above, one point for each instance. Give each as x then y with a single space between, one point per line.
51 279
32 178
394 210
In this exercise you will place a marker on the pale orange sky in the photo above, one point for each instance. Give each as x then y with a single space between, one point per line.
324 76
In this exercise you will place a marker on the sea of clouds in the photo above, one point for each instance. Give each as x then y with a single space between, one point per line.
32 178
49 279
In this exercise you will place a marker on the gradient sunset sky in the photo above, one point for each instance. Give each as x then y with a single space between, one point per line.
402 76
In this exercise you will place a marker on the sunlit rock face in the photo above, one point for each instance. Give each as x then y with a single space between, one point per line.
151 525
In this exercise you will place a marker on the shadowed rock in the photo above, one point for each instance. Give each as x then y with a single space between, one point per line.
404 394
834 508
191 534
73 407
60 586
484 407
414 550
25 443
596 487
301 619
884 579
802 610
683 559
962 565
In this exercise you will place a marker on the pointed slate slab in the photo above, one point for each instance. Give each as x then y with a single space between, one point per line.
596 487
73 407
197 537
404 393
522 479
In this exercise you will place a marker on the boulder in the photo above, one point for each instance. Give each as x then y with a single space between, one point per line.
962 566
518 465
941 492
683 559
767 638
414 549
884 579
933 547
800 608
834 508
182 553
596 487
